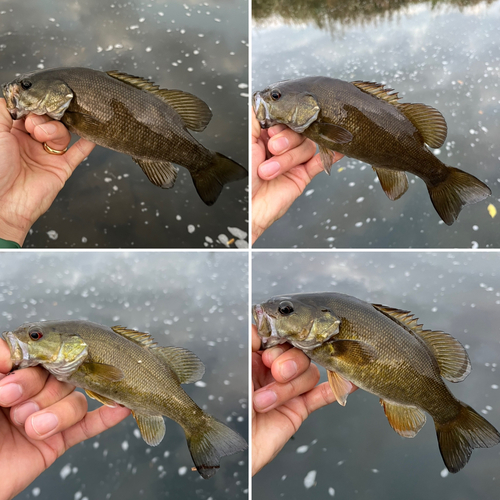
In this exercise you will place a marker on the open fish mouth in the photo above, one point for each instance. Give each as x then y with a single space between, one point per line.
266 327
18 351
11 93
262 111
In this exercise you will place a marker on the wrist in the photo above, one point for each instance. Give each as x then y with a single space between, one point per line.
13 233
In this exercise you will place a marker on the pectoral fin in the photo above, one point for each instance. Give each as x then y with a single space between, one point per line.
393 182
101 399
162 174
339 386
333 133
152 428
405 420
102 373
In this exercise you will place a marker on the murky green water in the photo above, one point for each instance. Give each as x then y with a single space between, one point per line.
444 54
199 47
352 449
197 301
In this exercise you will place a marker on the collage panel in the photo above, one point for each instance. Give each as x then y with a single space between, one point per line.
192 310
359 317
162 88
326 70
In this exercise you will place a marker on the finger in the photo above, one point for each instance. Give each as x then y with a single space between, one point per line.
78 152
314 166
57 418
276 394
52 392
320 396
5 118
284 141
5 361
270 355
280 164
94 423
22 385
289 365
52 132
256 342
276 129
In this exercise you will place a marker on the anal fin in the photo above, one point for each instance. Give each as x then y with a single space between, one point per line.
339 386
405 420
101 399
393 182
160 173
152 427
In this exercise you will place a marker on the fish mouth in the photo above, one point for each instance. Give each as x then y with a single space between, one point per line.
11 93
266 327
262 111
18 351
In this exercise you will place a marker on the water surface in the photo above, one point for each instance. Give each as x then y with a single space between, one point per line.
197 301
352 450
444 54
199 47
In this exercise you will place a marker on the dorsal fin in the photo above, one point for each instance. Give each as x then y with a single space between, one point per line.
194 112
450 354
143 339
378 90
428 121
185 363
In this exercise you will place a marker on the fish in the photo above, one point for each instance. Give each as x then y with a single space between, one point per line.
131 115
384 351
366 121
116 365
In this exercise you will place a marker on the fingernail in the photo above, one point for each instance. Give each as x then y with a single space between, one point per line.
21 413
269 169
44 423
10 393
273 354
279 144
48 128
288 369
264 399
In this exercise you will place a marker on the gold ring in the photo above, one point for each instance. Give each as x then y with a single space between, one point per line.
53 151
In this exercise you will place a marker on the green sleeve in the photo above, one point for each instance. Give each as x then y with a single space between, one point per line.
9 244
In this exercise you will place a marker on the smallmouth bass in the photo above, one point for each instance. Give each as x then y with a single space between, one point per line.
131 115
365 121
387 353
117 365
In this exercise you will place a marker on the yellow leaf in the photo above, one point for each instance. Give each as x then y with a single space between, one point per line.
492 210
340 169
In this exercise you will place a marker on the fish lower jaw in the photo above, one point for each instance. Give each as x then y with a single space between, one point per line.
19 354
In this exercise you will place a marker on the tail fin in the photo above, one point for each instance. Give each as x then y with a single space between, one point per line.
460 436
457 190
210 442
210 181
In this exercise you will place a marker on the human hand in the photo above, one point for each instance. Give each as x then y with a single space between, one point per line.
40 419
31 178
280 179
285 394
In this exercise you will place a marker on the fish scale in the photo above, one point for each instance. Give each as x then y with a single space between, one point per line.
386 352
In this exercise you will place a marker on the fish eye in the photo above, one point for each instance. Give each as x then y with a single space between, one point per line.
285 308
275 94
26 84
36 335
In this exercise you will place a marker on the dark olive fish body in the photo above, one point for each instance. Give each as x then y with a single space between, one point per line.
365 121
131 115
386 352
117 365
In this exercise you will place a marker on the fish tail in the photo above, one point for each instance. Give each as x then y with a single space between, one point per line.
458 189
458 437
209 442
210 180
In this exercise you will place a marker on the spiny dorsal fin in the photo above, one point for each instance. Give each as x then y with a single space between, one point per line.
428 121
378 90
185 363
143 339
194 112
405 420
450 354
